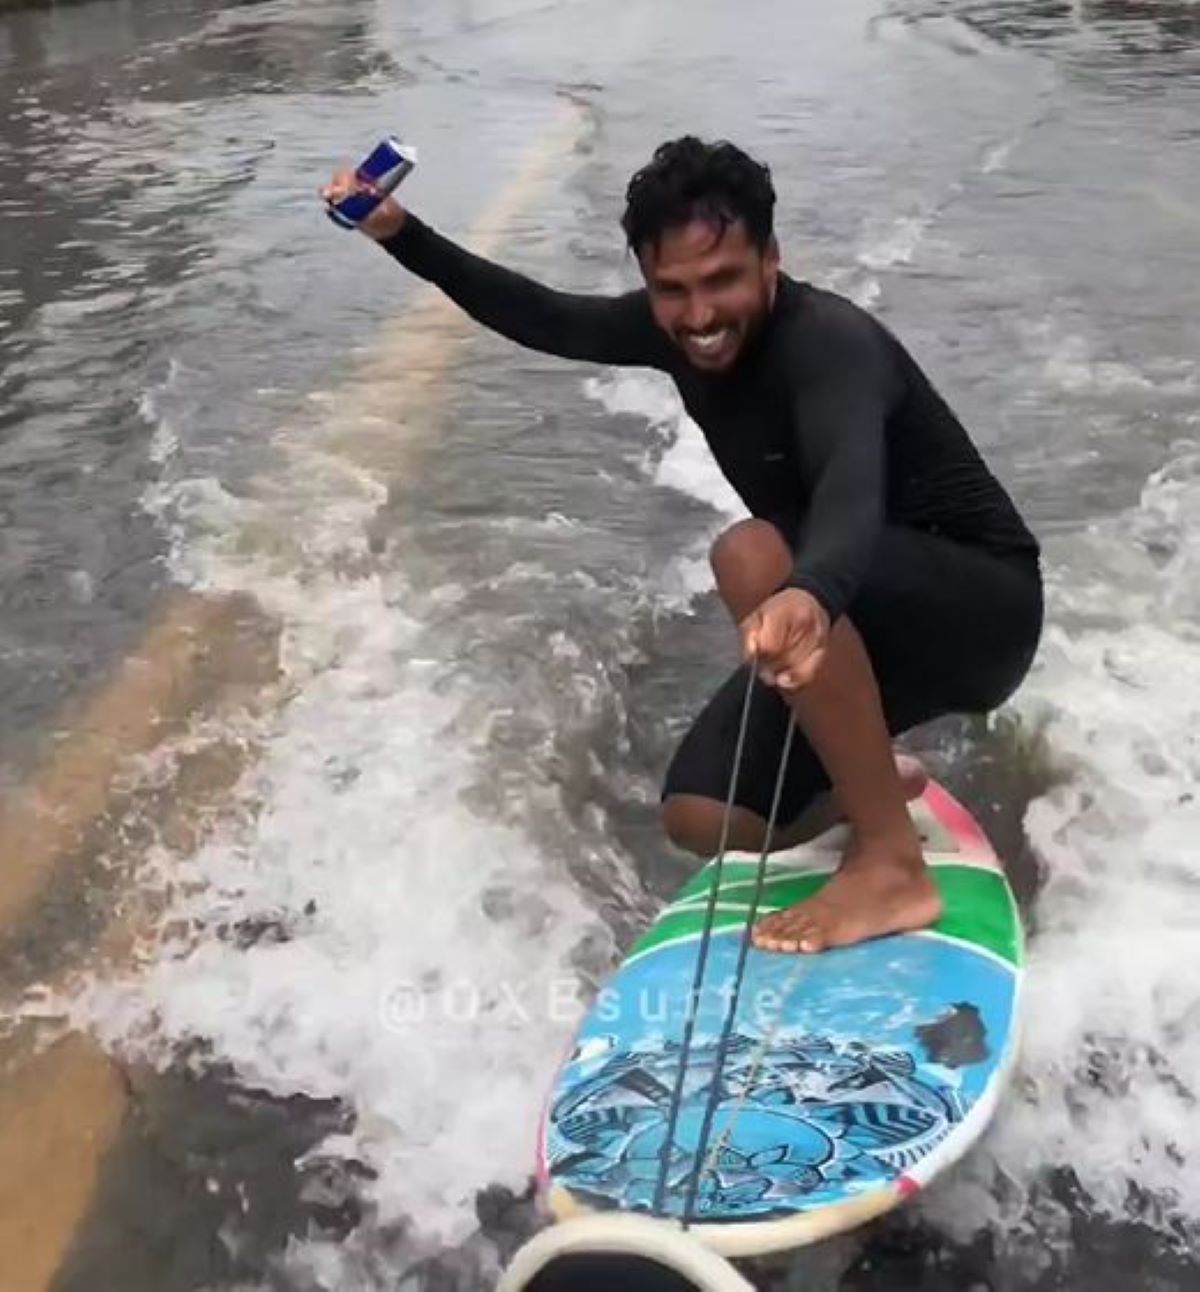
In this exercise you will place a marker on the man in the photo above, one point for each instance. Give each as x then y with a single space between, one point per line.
883 578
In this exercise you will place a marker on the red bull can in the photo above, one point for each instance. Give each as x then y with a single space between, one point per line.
379 174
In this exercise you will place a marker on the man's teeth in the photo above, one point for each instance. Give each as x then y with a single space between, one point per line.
708 340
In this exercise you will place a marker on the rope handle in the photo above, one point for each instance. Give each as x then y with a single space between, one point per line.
699 1164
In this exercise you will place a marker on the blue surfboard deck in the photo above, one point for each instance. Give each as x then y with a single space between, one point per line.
852 1078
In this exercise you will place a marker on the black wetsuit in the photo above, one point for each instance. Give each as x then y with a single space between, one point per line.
827 428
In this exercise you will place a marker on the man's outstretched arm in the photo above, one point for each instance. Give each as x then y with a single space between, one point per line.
602 329
599 329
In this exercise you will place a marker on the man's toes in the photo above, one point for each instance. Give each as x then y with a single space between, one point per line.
786 931
812 941
774 925
765 939
810 935
770 934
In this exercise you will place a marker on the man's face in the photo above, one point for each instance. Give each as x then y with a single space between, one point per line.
709 289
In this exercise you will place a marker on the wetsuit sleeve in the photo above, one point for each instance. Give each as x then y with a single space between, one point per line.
600 329
841 409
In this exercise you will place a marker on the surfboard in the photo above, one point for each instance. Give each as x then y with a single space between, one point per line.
851 1078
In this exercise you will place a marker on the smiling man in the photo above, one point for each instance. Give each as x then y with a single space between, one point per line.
883 577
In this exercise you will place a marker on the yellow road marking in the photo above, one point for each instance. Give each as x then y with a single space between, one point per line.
60 1112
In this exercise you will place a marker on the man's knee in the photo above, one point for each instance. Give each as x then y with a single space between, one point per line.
749 560
693 823
750 545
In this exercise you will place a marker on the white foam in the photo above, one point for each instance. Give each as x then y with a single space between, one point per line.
866 293
1070 362
896 243
400 994
688 467
1071 365
996 157
683 462
426 981
1112 1039
164 437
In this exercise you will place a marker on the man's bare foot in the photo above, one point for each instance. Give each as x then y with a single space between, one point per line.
876 891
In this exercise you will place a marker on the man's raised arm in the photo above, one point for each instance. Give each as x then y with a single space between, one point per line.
601 329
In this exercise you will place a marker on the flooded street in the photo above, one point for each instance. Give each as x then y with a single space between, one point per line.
343 645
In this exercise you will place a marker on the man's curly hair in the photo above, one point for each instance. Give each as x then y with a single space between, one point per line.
689 179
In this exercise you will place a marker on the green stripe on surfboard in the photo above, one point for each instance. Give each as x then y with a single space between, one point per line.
977 907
